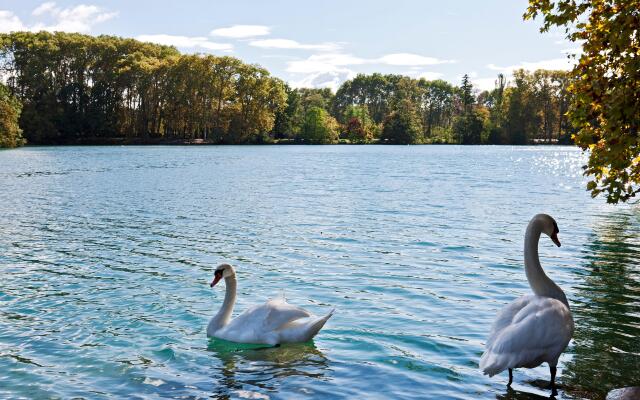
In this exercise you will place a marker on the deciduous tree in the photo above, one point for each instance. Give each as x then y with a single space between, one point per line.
403 126
10 133
605 87
319 127
359 127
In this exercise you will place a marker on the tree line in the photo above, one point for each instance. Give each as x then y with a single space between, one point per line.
67 88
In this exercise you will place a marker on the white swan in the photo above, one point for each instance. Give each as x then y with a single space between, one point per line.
272 323
536 328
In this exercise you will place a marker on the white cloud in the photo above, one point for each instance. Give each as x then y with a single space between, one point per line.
80 18
564 64
324 70
9 22
430 76
185 42
408 59
242 31
331 69
321 63
44 8
332 79
331 61
292 44
483 83
419 72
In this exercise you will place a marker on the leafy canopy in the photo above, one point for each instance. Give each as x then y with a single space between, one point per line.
403 126
10 108
359 127
319 127
605 107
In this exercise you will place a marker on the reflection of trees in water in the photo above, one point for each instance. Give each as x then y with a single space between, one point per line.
263 369
607 310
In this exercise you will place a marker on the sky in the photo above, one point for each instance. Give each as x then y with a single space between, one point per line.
324 42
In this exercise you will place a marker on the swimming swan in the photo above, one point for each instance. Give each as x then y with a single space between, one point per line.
535 328
272 323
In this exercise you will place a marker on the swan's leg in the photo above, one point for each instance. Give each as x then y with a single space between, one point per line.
510 377
553 380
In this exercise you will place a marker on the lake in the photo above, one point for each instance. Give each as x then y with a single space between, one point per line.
106 254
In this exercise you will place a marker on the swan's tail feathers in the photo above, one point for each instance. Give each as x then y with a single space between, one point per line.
315 326
302 330
492 364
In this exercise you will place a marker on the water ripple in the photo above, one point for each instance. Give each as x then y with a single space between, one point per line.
106 252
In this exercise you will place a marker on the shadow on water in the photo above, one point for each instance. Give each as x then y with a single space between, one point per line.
606 310
511 394
247 367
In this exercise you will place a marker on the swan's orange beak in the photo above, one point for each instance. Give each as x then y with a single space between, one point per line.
216 278
554 237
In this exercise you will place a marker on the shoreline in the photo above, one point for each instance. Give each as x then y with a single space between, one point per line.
276 142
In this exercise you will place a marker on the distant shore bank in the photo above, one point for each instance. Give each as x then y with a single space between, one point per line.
204 142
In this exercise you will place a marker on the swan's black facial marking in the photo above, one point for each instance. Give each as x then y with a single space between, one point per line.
217 275
554 235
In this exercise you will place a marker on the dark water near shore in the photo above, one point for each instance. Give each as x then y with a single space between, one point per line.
106 254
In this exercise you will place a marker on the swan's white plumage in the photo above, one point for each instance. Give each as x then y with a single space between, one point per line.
536 328
272 323
528 332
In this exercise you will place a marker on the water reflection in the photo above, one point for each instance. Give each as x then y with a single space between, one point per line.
607 309
245 368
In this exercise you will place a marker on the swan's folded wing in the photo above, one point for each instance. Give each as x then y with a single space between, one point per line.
281 313
506 315
537 333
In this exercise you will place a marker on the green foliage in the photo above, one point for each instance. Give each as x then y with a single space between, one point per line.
521 117
290 120
319 127
10 107
372 91
466 93
403 126
359 127
532 108
468 127
605 88
76 87
436 102
287 121
494 101
322 98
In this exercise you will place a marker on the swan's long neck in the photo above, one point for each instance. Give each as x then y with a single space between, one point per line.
224 314
540 283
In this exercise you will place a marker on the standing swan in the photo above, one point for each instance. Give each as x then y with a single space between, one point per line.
534 328
272 323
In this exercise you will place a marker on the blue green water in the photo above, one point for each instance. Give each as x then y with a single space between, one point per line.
106 254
